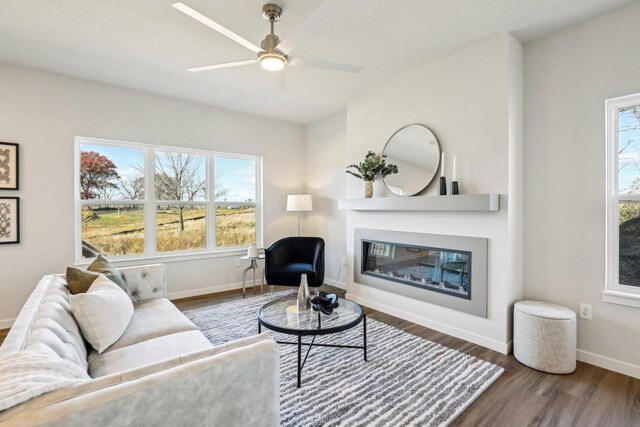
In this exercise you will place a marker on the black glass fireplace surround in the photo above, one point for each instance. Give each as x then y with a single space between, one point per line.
447 271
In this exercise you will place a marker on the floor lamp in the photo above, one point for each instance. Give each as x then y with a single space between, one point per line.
299 203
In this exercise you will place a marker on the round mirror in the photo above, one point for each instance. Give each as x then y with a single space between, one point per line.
416 152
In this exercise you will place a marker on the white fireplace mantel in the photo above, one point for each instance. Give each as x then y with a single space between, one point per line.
459 203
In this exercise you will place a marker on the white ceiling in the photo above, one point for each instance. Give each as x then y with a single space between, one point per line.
147 45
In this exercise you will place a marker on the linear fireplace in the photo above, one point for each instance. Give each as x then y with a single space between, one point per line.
441 270
445 270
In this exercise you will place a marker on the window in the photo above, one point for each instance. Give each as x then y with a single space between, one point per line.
235 200
623 196
135 200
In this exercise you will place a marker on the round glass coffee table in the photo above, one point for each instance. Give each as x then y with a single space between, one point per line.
274 316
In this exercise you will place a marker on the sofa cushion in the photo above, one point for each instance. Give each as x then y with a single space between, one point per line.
146 352
151 319
103 313
46 325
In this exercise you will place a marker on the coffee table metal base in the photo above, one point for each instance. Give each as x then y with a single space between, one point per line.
300 344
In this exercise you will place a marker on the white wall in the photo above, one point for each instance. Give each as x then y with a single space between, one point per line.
43 112
325 179
568 76
470 101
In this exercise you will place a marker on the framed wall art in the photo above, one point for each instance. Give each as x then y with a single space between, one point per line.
9 220
9 164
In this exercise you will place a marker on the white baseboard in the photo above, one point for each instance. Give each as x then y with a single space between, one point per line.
504 348
6 323
340 285
209 290
489 343
232 286
609 363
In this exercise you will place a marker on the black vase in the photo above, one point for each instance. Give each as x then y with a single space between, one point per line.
443 186
454 188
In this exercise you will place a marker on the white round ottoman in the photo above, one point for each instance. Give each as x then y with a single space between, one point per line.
544 336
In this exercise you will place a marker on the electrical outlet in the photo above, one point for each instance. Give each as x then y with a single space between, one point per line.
585 311
344 262
237 262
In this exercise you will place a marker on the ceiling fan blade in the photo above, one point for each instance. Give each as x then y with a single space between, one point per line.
323 13
325 65
219 66
215 26
280 81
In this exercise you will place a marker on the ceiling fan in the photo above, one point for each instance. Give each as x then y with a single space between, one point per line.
272 55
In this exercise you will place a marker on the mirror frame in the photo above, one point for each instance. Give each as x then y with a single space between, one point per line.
437 169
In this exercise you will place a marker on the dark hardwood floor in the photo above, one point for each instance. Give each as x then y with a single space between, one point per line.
590 396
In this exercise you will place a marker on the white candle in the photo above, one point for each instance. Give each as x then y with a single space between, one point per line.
455 175
442 164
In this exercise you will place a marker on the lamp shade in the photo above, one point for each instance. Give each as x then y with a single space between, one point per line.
299 202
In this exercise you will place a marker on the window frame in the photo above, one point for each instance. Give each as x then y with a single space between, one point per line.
615 292
150 203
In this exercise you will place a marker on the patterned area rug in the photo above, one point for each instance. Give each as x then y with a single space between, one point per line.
407 380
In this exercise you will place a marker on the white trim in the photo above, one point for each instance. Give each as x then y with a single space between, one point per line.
7 323
333 282
150 240
144 145
169 257
259 203
605 362
210 221
77 211
613 291
500 347
621 298
208 290
150 203
510 347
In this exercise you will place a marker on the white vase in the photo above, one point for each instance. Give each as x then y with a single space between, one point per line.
367 189
303 294
252 252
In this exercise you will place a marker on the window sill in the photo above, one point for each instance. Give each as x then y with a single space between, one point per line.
621 298
175 257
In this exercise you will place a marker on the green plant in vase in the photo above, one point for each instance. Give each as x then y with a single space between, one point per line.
372 166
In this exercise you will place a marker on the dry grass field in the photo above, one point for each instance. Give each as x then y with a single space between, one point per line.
121 231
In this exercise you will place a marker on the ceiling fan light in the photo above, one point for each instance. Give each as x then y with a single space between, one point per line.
272 63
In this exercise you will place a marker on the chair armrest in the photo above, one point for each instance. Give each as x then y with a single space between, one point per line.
146 281
276 255
318 265
233 387
317 257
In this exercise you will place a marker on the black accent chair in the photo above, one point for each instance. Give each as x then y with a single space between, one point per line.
287 259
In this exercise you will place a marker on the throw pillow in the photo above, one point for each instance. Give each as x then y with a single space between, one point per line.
79 281
103 313
101 265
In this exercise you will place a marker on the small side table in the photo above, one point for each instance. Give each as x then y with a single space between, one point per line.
254 266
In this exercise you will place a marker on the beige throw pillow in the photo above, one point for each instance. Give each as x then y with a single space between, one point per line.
103 312
79 281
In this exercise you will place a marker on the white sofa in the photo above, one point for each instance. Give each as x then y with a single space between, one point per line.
162 371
